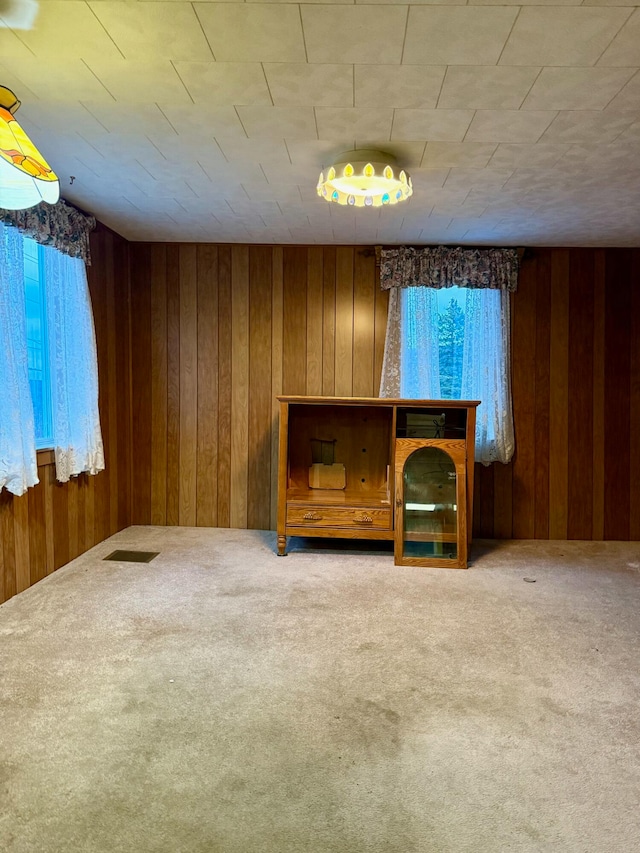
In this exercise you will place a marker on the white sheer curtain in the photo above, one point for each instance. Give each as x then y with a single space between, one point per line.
74 367
411 360
486 372
18 461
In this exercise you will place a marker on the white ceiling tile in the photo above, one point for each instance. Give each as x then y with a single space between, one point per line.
432 125
508 125
485 87
575 88
587 127
487 178
54 117
152 188
252 32
12 47
574 35
68 23
350 122
408 153
440 154
135 81
354 34
125 118
65 79
624 50
631 135
299 84
152 30
512 155
311 151
253 150
628 98
457 35
279 122
400 86
196 121
224 83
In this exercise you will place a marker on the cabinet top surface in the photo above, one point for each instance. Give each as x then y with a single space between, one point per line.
380 401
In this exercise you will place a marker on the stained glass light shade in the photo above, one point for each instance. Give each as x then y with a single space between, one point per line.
364 178
26 178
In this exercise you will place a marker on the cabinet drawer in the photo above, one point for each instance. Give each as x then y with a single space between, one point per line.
338 516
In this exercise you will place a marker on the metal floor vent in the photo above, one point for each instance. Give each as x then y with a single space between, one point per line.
132 556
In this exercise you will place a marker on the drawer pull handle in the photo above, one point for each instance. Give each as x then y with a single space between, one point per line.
363 519
312 516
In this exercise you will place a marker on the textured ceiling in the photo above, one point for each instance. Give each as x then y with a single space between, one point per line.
519 122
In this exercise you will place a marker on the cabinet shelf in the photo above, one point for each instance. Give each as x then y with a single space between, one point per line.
338 497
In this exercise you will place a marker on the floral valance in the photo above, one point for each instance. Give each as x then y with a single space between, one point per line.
444 266
60 225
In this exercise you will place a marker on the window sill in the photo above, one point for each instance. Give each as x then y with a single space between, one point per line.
45 457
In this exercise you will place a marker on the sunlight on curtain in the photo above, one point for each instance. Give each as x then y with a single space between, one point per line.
18 461
437 350
77 437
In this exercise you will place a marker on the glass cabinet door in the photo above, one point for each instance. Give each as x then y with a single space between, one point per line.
430 527
430 496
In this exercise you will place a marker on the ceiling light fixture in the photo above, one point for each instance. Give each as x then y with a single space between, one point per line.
364 178
26 178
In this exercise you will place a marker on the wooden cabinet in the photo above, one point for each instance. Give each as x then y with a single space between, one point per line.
408 474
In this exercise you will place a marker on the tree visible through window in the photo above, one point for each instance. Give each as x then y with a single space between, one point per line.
37 341
451 320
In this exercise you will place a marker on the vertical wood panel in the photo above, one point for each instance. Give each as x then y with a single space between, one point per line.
276 373
21 540
329 323
523 371
112 386
159 384
344 322
542 379
7 546
315 285
294 379
239 385
580 415
598 394
188 385
224 385
364 306
141 383
207 451
37 534
259 431
121 289
558 395
172 473
75 546
634 394
380 333
617 409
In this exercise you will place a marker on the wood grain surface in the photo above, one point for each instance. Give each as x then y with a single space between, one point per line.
195 342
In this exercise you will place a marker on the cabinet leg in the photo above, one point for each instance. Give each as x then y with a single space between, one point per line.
282 546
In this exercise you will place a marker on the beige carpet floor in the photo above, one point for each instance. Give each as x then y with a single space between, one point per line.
222 700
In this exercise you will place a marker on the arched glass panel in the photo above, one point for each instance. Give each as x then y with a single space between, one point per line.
430 505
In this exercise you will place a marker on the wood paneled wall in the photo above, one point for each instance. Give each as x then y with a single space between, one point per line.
191 361
219 330
576 399
53 522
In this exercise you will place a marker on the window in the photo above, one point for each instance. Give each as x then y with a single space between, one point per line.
37 341
452 343
48 363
